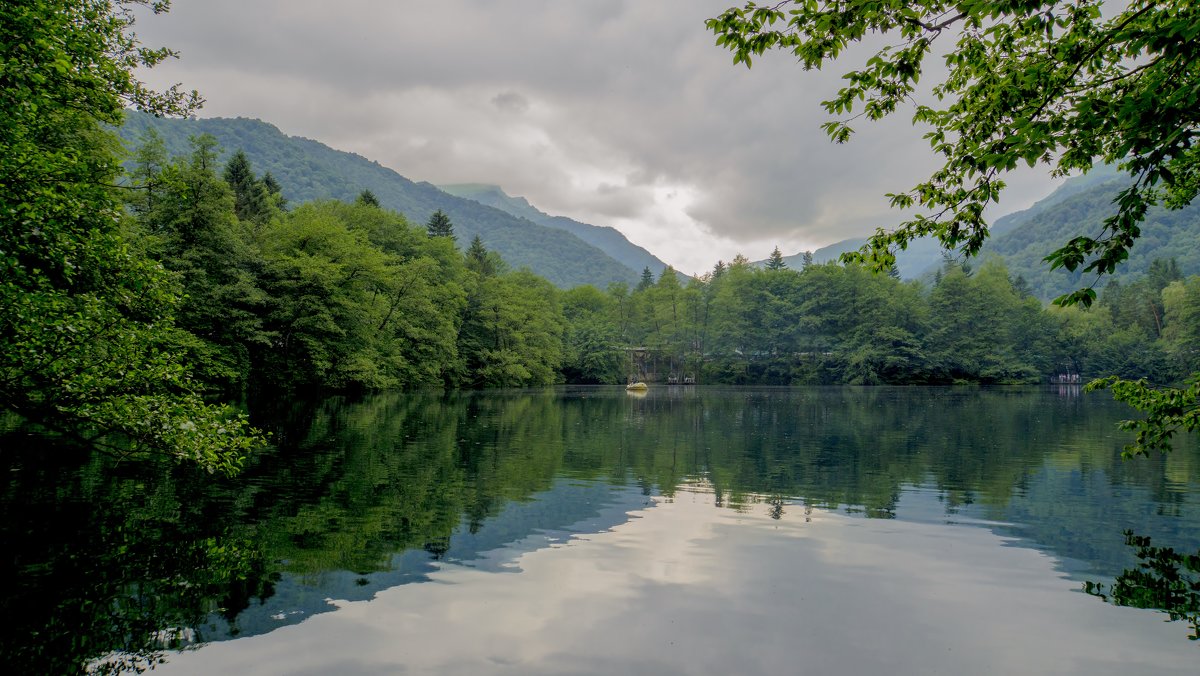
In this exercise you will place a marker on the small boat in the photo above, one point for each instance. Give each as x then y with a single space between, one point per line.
639 386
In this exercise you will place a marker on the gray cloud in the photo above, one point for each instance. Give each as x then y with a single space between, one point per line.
616 113
511 102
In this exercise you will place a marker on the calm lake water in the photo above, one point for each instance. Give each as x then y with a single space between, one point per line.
590 531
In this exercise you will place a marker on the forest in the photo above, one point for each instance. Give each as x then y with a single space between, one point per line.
338 296
138 298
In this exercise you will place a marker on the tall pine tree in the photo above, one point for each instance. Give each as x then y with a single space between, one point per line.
439 225
251 200
775 262
647 280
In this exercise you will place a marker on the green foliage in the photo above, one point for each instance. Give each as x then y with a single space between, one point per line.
834 324
1168 411
193 229
359 300
309 171
647 279
252 200
512 331
87 341
591 344
775 262
1045 82
367 198
338 296
439 225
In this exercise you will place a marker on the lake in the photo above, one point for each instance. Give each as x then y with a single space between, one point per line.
592 531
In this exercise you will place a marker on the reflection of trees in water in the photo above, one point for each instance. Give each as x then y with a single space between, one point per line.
1164 580
113 560
351 482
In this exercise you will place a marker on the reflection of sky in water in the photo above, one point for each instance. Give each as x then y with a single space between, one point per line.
688 588
569 509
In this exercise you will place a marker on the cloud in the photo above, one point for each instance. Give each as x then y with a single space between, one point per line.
607 112
510 102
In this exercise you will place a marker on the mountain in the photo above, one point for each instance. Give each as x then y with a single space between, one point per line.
309 170
1079 207
911 263
609 240
1024 238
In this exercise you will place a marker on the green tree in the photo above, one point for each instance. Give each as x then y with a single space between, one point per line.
197 235
439 225
322 276
646 281
274 191
512 332
368 198
1045 82
87 341
1181 303
251 199
149 161
483 262
775 262
591 351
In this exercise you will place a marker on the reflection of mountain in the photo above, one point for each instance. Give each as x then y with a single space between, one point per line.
551 517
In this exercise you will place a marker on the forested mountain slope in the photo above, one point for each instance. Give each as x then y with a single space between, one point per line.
1024 238
308 170
1079 207
609 240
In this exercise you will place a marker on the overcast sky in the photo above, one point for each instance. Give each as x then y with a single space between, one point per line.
612 112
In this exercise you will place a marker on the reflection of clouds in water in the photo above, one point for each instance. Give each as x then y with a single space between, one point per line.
686 588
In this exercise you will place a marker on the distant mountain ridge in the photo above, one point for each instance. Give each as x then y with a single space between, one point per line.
1024 238
1079 207
309 170
607 239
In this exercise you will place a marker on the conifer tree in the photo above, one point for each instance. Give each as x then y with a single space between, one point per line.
807 259
775 262
251 199
647 280
368 198
439 225
275 191
485 263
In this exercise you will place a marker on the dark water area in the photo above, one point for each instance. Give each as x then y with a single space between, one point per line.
588 530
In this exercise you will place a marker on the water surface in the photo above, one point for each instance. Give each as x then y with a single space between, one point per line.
585 530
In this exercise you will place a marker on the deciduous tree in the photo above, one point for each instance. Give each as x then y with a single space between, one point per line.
1057 83
87 342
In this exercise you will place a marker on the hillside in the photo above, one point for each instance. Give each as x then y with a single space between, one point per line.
609 240
308 170
1079 207
1024 238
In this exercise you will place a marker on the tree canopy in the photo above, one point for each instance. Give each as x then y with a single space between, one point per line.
1044 82
87 338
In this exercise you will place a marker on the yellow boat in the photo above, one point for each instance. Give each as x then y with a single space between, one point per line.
637 387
